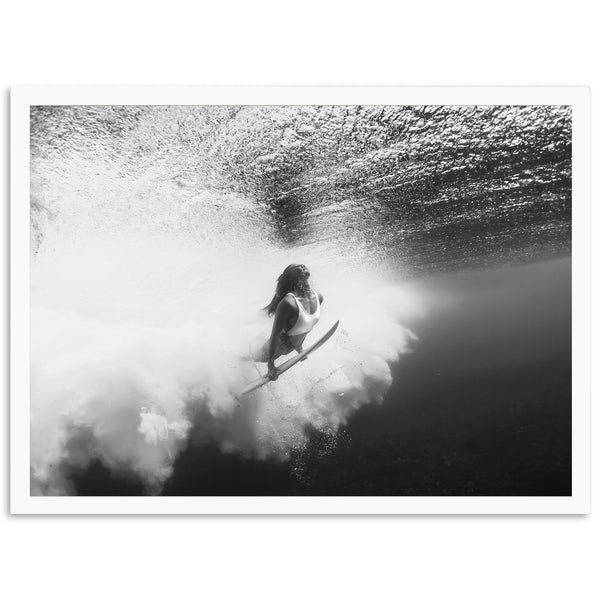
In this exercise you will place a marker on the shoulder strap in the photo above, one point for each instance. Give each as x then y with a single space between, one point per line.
294 297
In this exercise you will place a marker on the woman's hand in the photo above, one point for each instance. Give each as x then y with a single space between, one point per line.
272 373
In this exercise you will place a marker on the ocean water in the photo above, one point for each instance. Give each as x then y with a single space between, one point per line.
439 236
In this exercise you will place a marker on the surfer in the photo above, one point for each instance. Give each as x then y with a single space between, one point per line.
297 309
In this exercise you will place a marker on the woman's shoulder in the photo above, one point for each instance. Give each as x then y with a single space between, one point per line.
289 299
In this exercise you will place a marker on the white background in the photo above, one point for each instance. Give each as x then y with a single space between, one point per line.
425 43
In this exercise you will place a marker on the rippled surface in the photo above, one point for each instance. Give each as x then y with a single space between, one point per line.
433 187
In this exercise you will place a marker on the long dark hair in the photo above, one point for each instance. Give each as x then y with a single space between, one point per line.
293 279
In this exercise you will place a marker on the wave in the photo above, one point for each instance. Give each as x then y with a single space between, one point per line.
145 300
133 395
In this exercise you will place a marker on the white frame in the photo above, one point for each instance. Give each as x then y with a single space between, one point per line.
22 97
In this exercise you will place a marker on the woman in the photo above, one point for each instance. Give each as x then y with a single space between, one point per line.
297 309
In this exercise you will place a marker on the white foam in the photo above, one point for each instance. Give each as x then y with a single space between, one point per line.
144 299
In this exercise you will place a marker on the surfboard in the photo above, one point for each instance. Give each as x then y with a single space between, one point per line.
288 364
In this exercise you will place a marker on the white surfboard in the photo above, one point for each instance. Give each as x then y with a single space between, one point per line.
288 364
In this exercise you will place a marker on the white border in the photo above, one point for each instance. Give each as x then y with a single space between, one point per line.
22 97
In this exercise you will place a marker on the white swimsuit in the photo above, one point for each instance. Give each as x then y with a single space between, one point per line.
305 321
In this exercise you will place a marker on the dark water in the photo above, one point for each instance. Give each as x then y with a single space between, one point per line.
483 405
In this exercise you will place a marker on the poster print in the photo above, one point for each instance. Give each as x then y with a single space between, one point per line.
335 301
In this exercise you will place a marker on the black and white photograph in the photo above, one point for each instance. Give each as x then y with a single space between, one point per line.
300 300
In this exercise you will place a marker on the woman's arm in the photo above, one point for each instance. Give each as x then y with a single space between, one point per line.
282 317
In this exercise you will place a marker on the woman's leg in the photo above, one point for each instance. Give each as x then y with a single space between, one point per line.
282 347
262 354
